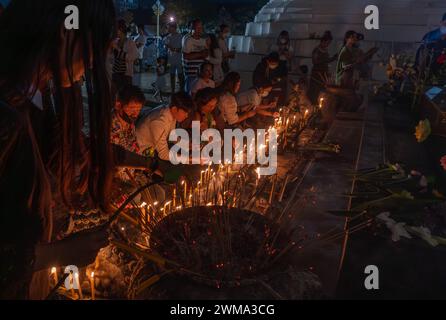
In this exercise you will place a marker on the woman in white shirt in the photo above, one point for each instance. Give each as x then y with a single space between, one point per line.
228 101
216 58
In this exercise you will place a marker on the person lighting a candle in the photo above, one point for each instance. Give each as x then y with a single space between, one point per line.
228 102
154 127
253 99
206 113
129 103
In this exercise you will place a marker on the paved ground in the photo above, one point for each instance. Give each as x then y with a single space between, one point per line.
409 269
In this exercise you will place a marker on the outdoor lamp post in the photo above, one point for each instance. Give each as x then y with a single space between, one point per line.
158 9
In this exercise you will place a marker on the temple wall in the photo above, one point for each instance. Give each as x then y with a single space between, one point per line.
402 25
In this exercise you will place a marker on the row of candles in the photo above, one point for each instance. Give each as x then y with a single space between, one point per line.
285 120
187 195
219 197
74 279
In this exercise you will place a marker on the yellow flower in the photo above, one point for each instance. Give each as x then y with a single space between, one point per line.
423 130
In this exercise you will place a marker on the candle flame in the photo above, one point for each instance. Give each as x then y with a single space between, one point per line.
321 102
53 270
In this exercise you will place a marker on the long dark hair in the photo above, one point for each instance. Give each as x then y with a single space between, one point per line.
30 34
204 96
229 83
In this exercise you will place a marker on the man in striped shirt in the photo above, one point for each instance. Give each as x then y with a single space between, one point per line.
195 52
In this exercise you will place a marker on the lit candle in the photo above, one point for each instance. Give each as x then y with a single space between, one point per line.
184 183
321 103
174 196
209 171
258 176
81 296
199 193
93 294
143 211
154 205
201 177
54 274
167 204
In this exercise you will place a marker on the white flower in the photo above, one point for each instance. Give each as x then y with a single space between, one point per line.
398 230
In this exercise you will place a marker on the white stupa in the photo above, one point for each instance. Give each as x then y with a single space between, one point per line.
402 25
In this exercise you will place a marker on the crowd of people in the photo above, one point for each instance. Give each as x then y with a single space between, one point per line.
56 149
48 155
